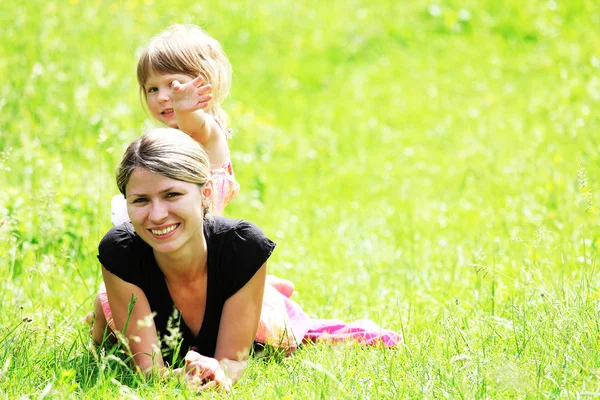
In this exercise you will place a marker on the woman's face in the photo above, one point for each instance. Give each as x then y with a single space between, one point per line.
166 213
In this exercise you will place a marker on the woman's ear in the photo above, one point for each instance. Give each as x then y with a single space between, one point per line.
207 191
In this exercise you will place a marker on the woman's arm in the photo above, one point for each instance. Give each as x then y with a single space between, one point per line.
239 322
140 330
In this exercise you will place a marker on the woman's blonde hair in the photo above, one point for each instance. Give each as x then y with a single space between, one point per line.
188 50
168 152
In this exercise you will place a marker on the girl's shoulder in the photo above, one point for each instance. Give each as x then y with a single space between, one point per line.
227 132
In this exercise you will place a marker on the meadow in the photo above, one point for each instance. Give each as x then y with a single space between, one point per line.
432 166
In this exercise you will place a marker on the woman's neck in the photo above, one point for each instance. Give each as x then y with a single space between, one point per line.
186 264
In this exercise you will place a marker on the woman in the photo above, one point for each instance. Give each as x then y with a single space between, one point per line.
204 277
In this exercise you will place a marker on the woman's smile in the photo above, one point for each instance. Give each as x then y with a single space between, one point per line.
164 233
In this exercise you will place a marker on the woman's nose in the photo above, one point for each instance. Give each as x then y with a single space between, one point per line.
158 211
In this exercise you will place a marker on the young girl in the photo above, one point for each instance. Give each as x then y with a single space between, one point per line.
184 76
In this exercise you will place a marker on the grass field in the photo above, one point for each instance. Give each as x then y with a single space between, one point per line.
432 166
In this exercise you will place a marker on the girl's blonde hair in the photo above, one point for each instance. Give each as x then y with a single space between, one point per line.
189 50
168 152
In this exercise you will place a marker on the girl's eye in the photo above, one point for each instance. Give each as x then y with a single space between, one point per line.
151 90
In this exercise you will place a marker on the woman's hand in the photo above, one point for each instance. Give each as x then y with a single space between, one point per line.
191 96
205 372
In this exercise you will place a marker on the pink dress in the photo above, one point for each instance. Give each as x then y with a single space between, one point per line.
284 325
225 187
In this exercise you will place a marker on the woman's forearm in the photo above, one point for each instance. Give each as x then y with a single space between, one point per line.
233 369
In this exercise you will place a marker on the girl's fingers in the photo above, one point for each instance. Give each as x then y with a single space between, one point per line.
203 101
204 89
176 85
197 81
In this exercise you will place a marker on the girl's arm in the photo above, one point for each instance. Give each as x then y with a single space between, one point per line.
239 322
140 331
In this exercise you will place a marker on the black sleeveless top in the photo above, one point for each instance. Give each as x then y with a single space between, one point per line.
236 250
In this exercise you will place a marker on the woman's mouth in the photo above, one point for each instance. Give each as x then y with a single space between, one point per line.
164 232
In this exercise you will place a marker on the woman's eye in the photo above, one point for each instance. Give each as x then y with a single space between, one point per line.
139 200
172 195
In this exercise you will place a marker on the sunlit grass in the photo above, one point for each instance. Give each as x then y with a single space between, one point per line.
431 166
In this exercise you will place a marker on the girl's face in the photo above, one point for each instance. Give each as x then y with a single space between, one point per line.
158 96
166 213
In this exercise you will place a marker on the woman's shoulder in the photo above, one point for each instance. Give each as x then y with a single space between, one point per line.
237 236
237 249
118 242
222 226
120 235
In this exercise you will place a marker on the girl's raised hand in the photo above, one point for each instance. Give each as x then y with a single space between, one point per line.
191 96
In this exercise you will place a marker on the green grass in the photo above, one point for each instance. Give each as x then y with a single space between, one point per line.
431 166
